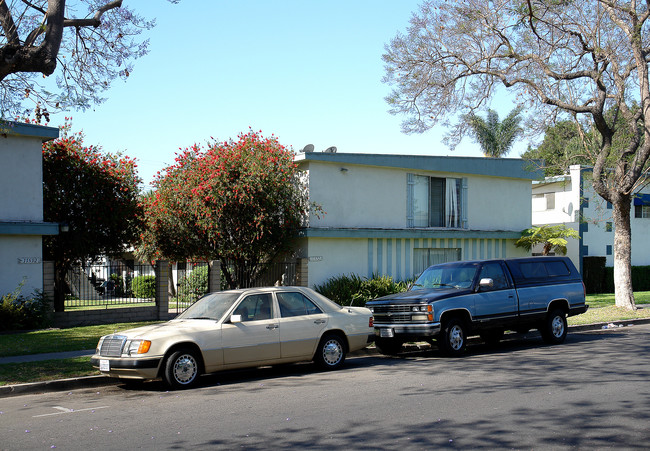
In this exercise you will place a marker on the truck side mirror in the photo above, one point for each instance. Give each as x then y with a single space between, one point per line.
486 283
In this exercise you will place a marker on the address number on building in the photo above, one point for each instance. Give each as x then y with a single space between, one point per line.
29 260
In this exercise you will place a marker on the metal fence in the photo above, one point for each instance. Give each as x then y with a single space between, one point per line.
102 285
120 283
190 281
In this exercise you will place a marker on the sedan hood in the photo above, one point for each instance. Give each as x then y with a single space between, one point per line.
174 327
420 296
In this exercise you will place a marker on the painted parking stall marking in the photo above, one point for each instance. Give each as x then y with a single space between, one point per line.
64 410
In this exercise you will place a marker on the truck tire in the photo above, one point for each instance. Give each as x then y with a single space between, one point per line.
554 329
452 340
388 346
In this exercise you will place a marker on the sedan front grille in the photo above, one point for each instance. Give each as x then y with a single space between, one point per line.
112 345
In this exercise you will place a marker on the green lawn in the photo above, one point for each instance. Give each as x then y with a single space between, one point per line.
47 370
58 340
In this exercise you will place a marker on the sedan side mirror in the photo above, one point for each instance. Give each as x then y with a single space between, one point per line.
235 319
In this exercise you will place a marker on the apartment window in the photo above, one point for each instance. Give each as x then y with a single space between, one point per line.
642 211
543 202
608 226
435 201
609 205
608 249
423 258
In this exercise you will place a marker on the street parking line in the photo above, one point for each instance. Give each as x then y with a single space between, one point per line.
63 410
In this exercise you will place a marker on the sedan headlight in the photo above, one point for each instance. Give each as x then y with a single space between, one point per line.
135 347
99 345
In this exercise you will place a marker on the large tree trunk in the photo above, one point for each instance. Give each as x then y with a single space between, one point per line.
624 294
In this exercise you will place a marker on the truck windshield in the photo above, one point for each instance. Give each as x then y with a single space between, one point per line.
460 276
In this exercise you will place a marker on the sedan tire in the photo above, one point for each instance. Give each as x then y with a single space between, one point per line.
330 354
182 369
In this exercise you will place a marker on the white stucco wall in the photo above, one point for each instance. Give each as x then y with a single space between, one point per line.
12 272
330 257
496 203
358 196
376 197
21 206
21 179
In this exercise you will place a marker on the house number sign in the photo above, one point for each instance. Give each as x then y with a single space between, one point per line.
29 260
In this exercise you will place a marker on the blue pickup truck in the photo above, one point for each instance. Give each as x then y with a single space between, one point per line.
452 301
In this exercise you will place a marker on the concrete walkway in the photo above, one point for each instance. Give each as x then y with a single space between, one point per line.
46 356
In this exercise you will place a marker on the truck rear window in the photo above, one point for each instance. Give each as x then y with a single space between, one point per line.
541 269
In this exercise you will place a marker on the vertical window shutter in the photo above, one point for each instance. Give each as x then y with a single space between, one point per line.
410 184
463 204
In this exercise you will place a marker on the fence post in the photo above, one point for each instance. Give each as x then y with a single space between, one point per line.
214 276
302 272
48 284
162 294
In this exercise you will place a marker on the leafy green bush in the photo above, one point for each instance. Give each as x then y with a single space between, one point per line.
193 285
144 287
119 284
356 290
18 312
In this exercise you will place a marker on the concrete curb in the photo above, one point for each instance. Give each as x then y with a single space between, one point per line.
99 381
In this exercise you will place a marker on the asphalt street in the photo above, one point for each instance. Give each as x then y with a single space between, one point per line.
591 392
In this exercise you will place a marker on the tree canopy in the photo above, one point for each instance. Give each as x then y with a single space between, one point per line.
495 137
552 238
562 146
95 194
583 60
90 42
240 201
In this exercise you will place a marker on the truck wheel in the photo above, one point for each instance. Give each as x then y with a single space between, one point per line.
554 328
388 346
492 337
453 338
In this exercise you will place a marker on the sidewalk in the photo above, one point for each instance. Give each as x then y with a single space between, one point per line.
47 356
95 381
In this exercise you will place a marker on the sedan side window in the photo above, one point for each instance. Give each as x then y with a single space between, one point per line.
254 308
295 304
495 272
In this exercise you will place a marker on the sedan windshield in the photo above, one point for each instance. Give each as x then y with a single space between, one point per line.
210 306
457 276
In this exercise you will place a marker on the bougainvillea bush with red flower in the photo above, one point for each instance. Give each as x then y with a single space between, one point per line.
240 201
96 194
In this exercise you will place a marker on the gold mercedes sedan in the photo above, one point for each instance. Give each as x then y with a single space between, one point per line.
236 329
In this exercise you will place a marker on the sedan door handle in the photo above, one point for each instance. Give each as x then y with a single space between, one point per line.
320 321
272 326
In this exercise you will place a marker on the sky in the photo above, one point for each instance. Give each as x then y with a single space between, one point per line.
307 71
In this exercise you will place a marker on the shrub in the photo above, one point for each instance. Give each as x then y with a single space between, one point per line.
193 285
356 290
119 284
144 287
18 312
